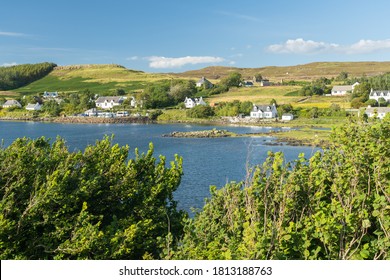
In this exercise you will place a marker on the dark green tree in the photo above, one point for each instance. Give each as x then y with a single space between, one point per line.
95 204
332 206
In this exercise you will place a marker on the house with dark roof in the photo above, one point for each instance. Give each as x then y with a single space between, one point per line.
264 111
53 95
377 94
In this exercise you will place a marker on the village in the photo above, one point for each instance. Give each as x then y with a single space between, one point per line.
113 106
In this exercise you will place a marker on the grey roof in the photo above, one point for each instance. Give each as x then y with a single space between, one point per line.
342 88
116 99
12 102
380 93
262 108
203 80
378 110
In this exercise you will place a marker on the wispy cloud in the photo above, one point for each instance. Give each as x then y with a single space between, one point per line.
239 16
301 46
12 34
133 58
177 62
8 64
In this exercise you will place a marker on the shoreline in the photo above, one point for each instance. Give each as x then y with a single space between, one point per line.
301 136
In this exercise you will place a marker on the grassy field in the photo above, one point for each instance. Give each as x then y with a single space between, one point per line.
100 79
282 95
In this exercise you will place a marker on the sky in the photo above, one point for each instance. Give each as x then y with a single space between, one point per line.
176 36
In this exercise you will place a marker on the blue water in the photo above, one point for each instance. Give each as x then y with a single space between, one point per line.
206 161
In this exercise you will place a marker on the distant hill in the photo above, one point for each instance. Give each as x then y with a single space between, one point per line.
98 78
299 72
106 78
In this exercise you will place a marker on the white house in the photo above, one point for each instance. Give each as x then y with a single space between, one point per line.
343 90
12 103
108 102
287 117
191 103
203 82
264 111
376 94
379 112
47 94
248 84
133 102
93 112
33 107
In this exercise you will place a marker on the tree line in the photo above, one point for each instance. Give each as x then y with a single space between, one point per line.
99 204
13 77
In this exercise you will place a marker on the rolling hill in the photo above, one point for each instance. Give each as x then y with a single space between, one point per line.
98 78
302 72
106 78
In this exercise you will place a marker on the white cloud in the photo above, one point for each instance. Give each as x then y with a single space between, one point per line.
367 46
12 34
301 46
8 64
177 62
133 58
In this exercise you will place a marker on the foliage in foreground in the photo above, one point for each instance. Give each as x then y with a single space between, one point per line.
335 205
95 204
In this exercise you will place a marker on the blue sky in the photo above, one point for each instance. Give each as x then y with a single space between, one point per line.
175 36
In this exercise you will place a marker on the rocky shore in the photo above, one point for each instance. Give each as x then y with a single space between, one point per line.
214 133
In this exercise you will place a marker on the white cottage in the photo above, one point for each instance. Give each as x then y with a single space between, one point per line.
203 82
191 103
108 102
12 103
379 112
287 117
33 107
377 94
343 90
264 111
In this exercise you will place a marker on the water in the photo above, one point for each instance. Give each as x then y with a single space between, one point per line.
206 161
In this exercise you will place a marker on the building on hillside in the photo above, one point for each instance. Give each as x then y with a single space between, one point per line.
12 103
133 102
53 95
93 112
33 107
203 82
379 112
265 83
287 117
377 94
247 84
264 111
343 90
108 102
191 103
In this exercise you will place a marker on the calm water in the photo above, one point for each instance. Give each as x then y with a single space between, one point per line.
205 161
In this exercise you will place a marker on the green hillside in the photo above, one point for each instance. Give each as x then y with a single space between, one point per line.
100 79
